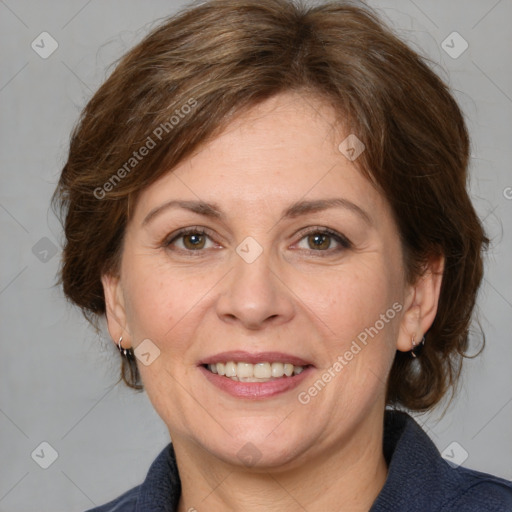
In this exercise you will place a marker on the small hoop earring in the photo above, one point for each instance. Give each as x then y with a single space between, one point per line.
125 352
414 345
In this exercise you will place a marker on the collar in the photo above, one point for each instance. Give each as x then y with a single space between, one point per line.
418 478
161 490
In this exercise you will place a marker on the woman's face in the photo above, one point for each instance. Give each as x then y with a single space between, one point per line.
257 279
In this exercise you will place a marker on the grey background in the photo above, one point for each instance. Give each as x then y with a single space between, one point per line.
57 375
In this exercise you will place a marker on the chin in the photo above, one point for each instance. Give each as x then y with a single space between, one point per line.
255 450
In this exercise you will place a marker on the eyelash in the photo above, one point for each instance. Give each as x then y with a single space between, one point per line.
343 242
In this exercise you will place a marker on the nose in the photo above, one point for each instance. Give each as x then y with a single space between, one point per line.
254 295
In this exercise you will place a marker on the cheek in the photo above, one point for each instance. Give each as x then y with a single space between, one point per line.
350 299
162 302
359 312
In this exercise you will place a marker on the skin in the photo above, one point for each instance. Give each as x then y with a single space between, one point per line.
294 298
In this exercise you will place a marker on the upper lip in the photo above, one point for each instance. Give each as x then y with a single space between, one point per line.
259 357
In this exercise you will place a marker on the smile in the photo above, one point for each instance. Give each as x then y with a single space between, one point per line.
259 372
253 376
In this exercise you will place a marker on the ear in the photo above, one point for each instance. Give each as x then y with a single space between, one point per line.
421 305
115 307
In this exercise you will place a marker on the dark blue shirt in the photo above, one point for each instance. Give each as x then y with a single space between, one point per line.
419 479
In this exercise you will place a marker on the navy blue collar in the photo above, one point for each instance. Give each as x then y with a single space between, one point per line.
417 474
161 489
418 480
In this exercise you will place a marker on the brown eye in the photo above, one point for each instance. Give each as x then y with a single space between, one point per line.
324 240
319 241
189 240
194 241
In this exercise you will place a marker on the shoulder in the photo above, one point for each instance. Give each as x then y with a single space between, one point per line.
161 486
420 479
124 503
474 491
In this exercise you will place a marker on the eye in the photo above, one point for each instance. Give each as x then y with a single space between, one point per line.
322 240
189 239
195 239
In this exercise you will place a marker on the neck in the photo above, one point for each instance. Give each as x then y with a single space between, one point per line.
348 477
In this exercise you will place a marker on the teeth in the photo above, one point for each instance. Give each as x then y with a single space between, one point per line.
229 369
247 372
244 370
263 370
277 369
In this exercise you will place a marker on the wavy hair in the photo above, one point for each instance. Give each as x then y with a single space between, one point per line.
223 56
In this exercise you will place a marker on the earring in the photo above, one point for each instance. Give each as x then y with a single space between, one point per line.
414 345
125 352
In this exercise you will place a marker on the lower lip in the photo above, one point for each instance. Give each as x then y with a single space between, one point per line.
255 390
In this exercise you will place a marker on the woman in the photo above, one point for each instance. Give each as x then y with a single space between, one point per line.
268 203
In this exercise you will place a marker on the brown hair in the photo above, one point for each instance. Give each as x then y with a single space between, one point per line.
187 79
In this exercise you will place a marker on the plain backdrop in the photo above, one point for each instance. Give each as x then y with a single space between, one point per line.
57 376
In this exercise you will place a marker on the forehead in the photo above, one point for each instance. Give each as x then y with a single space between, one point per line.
284 149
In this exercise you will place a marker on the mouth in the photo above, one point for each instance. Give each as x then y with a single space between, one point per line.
260 372
261 375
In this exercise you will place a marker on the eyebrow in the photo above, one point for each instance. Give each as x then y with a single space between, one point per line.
293 211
